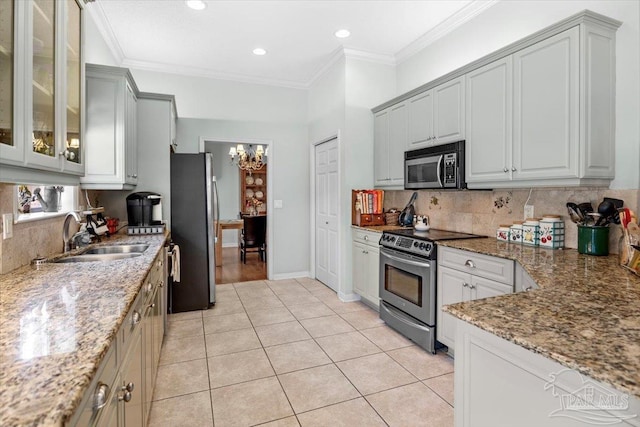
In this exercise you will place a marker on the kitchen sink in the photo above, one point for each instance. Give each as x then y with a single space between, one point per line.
117 249
88 257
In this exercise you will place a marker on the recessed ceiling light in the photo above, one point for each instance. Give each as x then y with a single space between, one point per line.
259 51
196 4
341 34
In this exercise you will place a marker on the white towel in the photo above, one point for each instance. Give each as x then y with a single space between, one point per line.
175 263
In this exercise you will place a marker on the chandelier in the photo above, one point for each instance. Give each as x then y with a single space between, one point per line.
250 159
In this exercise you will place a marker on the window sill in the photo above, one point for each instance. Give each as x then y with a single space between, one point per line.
37 216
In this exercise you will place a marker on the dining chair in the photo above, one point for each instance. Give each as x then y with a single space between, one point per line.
253 237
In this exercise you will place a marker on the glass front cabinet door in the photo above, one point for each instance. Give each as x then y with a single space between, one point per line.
41 102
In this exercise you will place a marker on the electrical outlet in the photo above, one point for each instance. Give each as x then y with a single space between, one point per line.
7 226
528 211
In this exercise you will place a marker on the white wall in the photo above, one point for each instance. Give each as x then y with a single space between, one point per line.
289 172
96 50
227 176
509 21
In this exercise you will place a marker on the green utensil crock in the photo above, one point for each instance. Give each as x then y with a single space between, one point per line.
593 240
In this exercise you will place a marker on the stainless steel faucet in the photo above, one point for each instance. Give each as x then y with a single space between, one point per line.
66 239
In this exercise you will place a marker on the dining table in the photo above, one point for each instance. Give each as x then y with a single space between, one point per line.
225 224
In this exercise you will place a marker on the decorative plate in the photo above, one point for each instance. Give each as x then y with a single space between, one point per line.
259 194
249 193
258 181
249 180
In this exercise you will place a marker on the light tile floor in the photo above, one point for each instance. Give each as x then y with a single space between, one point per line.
290 353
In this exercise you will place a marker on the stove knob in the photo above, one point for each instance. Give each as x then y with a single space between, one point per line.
393 239
415 244
423 246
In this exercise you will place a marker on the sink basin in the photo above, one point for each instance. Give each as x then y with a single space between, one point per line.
117 249
88 257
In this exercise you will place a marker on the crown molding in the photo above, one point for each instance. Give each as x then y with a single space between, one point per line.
376 58
206 73
334 57
104 27
465 14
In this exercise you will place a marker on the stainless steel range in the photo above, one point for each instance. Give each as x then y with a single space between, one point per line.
408 281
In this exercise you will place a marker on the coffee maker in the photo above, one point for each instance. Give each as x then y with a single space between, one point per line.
144 208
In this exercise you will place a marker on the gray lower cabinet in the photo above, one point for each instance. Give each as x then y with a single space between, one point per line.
366 262
467 276
120 394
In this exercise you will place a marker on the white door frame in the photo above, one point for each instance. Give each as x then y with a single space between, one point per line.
312 204
270 163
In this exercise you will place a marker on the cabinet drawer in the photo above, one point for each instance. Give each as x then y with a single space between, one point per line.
489 267
367 237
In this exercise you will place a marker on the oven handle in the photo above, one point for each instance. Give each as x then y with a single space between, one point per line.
406 261
438 171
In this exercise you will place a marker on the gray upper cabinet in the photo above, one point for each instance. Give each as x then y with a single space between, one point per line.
437 115
539 112
390 142
41 91
111 130
489 122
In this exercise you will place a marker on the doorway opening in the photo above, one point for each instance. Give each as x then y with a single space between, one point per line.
244 200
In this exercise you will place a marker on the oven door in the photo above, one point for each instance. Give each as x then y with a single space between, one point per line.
424 172
408 283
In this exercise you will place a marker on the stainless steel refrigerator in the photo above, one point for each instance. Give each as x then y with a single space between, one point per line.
194 211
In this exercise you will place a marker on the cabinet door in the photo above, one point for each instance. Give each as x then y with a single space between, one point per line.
420 120
546 108
132 373
381 148
372 286
452 288
11 140
449 111
485 288
131 138
398 128
359 266
488 122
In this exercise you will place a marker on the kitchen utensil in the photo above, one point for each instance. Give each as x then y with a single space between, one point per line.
607 210
624 216
618 203
592 219
585 208
407 214
574 213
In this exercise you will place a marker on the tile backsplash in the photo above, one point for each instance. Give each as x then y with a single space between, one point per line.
482 212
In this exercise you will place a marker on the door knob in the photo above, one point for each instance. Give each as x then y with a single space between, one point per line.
505 170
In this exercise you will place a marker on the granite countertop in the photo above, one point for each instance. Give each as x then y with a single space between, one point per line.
586 314
57 325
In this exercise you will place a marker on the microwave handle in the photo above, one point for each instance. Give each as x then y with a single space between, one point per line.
439 170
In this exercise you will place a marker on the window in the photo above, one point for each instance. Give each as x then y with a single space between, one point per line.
33 202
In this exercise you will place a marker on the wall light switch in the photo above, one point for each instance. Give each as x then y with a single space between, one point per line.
277 204
7 226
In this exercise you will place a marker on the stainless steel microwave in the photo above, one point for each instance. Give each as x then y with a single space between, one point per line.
439 167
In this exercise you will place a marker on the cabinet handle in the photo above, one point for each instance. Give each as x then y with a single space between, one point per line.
126 396
366 237
149 287
528 288
472 286
100 397
465 285
128 387
470 264
505 170
135 175
429 139
135 319
152 305
513 169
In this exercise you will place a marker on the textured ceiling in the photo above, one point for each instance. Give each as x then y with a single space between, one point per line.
165 35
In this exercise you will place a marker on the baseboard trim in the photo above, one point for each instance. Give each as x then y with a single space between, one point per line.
351 297
292 275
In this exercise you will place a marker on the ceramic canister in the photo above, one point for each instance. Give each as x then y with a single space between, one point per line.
531 232
515 232
552 231
503 233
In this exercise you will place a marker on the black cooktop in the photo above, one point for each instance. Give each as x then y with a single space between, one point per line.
431 235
